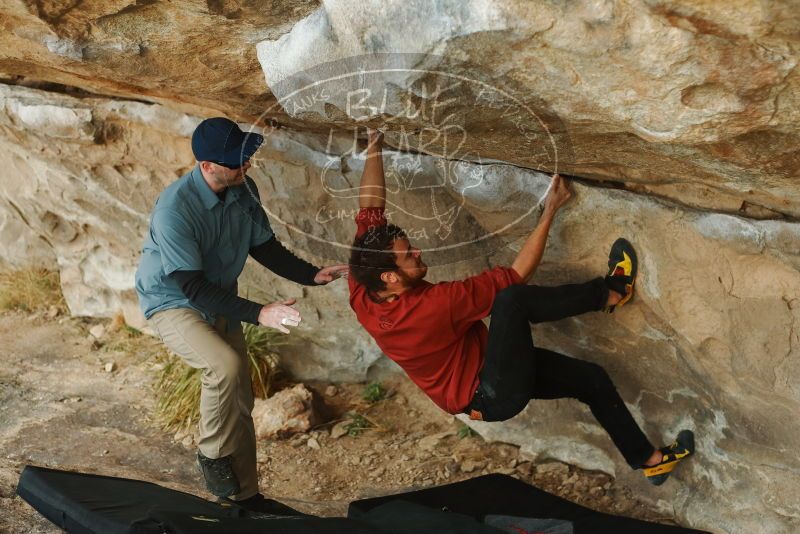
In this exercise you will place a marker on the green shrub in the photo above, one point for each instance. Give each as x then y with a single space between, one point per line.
373 393
358 424
464 431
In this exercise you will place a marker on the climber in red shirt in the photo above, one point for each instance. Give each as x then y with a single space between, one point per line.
435 333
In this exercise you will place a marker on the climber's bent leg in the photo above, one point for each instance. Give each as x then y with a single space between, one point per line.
559 376
509 367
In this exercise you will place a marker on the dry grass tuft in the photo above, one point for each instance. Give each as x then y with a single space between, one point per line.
124 338
178 388
178 395
31 290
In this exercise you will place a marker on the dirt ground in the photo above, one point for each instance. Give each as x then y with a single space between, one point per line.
63 406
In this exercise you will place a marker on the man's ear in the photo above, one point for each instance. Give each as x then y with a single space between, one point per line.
389 277
206 166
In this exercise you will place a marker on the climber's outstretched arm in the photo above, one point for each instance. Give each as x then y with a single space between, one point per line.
372 192
532 251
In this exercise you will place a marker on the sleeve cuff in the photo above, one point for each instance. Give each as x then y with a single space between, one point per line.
515 277
253 313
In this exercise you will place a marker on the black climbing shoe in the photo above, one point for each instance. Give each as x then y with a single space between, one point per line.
261 505
219 475
622 269
682 448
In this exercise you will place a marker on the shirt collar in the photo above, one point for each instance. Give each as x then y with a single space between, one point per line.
207 196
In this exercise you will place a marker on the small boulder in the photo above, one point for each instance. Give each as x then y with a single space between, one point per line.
553 468
468 466
289 411
339 429
97 331
429 443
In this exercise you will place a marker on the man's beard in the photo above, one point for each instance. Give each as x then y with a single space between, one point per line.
411 281
226 181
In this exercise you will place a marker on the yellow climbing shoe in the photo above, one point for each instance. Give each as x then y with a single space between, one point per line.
681 448
622 269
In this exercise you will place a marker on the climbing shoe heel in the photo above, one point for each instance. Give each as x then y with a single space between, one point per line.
679 450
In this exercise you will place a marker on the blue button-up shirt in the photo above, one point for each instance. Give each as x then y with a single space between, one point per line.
191 229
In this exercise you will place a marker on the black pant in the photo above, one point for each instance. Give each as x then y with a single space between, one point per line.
514 371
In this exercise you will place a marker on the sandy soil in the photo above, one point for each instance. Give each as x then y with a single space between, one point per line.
60 407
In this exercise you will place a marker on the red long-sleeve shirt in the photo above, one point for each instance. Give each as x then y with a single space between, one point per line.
433 331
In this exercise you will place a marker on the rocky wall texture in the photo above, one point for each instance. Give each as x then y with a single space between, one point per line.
695 102
678 119
673 99
80 176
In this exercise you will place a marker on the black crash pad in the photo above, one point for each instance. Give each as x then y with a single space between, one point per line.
506 496
94 504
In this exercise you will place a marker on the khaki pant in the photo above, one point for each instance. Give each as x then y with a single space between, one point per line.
226 396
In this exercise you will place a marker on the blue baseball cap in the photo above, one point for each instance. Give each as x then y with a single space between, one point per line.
220 140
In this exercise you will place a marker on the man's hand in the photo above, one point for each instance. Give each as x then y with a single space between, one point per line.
279 315
375 137
329 274
559 194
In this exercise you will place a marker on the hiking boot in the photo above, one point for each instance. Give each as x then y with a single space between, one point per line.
261 505
681 448
622 269
219 475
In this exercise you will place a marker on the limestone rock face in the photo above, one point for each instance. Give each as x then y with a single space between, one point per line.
677 118
193 54
693 102
81 176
